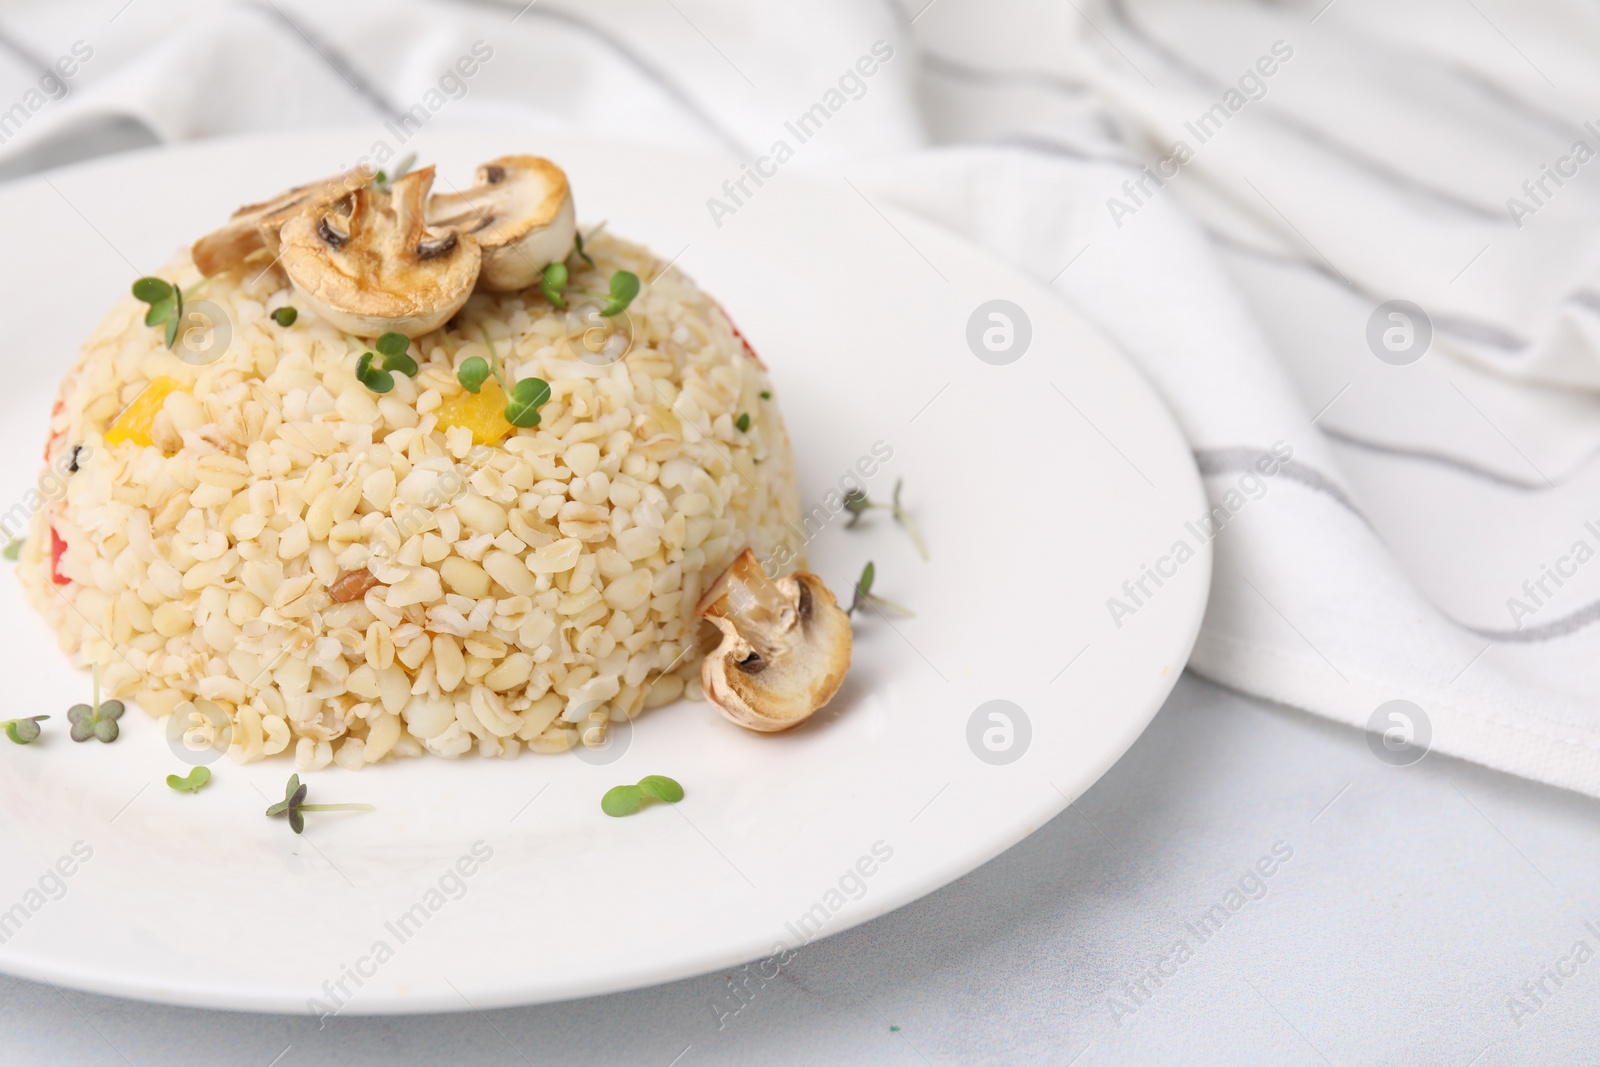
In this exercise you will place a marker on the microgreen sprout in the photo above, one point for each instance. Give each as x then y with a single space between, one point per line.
22 731
766 394
622 288
97 720
294 805
524 399
864 596
393 347
375 378
166 304
13 549
743 422
552 282
285 316
627 799
475 370
192 782
857 504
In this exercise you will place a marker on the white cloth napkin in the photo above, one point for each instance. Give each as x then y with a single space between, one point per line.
1307 163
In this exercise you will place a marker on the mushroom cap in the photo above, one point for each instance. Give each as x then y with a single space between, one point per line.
255 227
785 646
371 264
520 211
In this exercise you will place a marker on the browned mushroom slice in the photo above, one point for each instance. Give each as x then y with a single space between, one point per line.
371 264
520 212
255 227
785 646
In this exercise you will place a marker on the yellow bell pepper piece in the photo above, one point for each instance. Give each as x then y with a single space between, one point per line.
137 419
483 412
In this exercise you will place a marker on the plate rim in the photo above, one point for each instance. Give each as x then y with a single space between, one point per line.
33 966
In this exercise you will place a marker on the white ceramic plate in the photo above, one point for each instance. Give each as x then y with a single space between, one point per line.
1040 486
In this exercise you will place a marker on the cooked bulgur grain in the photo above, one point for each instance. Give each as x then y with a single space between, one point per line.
356 575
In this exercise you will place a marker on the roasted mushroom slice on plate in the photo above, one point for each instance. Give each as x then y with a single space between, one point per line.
254 227
372 264
519 211
785 646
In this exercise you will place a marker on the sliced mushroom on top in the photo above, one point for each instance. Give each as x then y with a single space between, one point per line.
520 212
254 227
785 646
372 264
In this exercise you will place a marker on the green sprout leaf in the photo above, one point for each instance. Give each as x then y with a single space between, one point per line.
379 381
856 503
97 720
166 305
555 280
161 311
152 290
175 320
393 347
743 422
662 788
402 363
294 796
24 731
81 716
623 800
627 799
624 287
766 394
13 549
474 371
864 596
285 316
192 782
527 397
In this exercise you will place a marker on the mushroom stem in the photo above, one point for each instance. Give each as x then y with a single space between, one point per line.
745 594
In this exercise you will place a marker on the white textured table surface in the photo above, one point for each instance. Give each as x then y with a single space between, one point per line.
1414 904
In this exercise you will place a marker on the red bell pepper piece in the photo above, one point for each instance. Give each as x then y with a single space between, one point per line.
58 547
